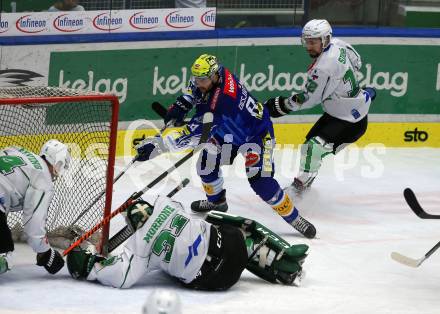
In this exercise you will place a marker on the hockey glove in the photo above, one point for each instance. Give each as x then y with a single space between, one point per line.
371 92
137 214
51 260
177 111
278 106
150 148
80 262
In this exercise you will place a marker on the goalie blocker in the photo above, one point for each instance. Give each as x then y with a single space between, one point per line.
206 254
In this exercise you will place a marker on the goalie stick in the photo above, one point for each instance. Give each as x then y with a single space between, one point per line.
206 130
412 262
414 204
127 232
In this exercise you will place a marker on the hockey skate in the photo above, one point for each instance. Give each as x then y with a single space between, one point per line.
304 227
3 264
298 187
204 206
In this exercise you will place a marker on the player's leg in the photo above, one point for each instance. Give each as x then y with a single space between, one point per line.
208 168
6 244
260 170
329 135
226 260
269 256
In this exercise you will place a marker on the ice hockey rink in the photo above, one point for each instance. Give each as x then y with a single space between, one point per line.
357 206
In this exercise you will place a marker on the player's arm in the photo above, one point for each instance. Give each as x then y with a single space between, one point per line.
122 270
35 207
318 87
179 109
270 256
173 141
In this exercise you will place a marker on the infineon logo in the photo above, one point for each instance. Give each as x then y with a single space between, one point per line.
177 20
4 26
141 21
105 22
208 18
65 23
29 24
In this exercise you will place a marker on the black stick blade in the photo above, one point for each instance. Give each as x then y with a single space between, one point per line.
414 204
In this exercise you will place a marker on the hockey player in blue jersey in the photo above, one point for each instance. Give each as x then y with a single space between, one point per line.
241 125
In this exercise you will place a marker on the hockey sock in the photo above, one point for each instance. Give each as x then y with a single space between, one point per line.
312 153
213 189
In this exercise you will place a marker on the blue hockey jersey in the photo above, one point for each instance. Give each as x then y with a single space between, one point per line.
238 116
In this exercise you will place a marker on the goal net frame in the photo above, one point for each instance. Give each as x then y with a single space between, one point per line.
76 97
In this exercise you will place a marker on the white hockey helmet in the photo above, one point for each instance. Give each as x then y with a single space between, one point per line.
162 301
56 154
317 29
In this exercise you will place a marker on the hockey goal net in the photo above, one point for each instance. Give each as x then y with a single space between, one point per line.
87 124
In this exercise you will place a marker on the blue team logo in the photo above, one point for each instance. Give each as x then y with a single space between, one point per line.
355 113
192 250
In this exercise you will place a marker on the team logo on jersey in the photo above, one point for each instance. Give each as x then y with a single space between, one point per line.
214 99
192 250
230 85
252 159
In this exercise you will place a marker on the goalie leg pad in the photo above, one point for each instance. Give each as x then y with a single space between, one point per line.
270 256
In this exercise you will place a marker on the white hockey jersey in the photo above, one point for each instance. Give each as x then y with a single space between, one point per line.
26 185
331 81
170 240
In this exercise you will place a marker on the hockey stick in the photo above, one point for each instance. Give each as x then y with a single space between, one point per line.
159 109
162 112
411 262
207 124
127 232
414 204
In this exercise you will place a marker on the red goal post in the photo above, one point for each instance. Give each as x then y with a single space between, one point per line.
87 123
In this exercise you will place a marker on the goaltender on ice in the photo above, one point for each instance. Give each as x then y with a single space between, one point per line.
242 125
202 254
26 184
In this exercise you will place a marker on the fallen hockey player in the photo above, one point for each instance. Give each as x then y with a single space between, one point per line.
206 254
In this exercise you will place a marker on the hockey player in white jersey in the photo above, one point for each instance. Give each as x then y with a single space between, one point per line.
331 81
26 184
206 254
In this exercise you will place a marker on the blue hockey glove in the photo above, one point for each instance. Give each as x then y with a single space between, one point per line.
149 148
178 111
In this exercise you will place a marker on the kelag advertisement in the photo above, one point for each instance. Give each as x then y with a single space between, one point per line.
406 82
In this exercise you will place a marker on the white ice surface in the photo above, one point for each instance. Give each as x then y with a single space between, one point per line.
357 206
